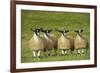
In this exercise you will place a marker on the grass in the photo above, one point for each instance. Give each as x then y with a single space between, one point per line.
27 57
52 20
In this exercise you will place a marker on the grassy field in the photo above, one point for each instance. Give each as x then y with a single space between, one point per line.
52 20
27 57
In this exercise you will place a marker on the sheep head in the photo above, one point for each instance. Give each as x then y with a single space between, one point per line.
37 31
79 32
47 32
62 31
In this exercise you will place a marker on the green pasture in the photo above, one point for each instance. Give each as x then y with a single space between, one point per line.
51 20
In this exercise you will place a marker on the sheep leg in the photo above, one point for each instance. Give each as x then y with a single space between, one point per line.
34 54
62 52
38 54
78 51
83 51
49 52
55 50
66 51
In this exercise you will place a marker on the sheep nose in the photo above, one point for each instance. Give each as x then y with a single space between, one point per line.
80 34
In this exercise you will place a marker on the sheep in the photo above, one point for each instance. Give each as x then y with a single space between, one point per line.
36 43
64 43
51 41
80 43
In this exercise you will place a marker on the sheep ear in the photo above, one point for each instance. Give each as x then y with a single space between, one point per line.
59 31
81 30
66 30
75 30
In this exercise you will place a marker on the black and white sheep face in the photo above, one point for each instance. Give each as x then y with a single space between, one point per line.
47 32
63 32
79 32
37 31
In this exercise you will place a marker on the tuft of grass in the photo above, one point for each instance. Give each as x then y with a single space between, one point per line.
52 20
